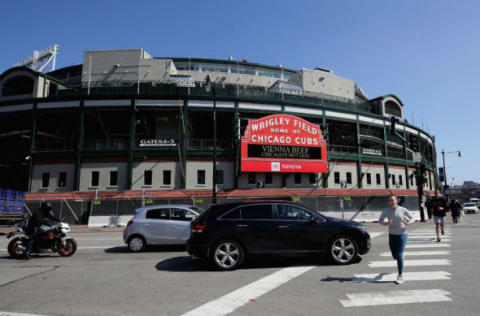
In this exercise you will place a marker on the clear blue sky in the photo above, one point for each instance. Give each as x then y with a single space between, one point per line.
425 52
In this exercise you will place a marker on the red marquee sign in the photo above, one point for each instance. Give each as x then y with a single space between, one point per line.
283 143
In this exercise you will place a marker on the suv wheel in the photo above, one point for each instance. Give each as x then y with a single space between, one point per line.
228 255
343 250
136 244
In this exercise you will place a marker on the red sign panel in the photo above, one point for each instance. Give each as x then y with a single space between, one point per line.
283 143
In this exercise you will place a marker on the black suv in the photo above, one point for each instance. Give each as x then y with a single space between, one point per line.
227 233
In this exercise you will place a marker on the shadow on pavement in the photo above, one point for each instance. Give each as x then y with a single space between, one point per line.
124 249
189 264
377 279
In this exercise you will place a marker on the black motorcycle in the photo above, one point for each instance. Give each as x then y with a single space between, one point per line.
48 238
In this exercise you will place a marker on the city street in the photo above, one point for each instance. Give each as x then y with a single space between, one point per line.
103 278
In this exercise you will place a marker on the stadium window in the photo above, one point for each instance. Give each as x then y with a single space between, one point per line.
336 176
200 177
95 179
393 179
400 179
369 179
268 178
45 180
62 179
219 176
147 177
298 178
379 179
251 178
167 177
312 178
113 178
349 177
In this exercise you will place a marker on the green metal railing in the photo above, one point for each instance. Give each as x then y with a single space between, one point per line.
228 92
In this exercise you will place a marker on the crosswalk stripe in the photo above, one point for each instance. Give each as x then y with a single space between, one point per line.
16 314
428 235
438 245
427 239
420 253
375 234
407 276
395 297
410 263
233 300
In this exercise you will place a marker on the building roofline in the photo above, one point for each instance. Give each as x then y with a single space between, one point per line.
227 62
33 72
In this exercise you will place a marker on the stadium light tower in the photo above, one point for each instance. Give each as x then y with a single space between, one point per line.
210 86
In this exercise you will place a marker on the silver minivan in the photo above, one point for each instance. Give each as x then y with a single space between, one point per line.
160 225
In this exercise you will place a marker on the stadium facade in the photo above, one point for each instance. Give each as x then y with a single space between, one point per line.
124 121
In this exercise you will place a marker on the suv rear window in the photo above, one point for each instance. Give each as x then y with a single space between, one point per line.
260 211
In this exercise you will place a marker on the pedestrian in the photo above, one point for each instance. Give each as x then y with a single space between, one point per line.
440 208
455 208
428 204
397 219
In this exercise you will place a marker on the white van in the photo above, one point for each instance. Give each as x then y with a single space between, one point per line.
470 207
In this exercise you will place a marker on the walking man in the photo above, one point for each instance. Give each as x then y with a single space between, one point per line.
440 207
455 208
397 218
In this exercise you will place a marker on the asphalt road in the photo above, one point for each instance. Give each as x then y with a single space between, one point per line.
103 278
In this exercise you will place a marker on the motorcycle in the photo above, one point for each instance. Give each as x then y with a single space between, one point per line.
48 238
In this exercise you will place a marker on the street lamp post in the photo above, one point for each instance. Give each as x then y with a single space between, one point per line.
445 181
209 86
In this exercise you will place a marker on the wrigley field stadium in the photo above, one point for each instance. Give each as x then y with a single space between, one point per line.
125 129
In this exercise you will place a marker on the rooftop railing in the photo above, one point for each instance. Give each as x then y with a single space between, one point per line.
223 91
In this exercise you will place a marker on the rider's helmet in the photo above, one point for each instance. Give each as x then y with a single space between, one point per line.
46 207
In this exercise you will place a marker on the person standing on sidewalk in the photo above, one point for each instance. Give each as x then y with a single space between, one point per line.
397 219
440 208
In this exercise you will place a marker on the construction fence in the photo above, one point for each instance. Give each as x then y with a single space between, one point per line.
107 211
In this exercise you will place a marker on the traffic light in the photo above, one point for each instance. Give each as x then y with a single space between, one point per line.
441 174
423 173
393 120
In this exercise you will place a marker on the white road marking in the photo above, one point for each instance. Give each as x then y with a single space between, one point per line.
17 314
410 263
427 235
407 276
233 300
420 253
427 239
375 234
84 248
395 297
437 245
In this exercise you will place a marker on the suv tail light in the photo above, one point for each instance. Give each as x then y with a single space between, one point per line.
197 227
130 222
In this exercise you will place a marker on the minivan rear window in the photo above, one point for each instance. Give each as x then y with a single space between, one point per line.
261 211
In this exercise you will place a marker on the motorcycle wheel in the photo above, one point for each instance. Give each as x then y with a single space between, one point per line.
67 249
13 248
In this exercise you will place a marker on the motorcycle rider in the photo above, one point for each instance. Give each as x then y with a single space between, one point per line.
41 216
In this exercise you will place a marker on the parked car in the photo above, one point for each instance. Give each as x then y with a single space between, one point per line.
160 225
470 208
227 233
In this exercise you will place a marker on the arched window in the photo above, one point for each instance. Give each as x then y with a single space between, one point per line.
393 108
18 85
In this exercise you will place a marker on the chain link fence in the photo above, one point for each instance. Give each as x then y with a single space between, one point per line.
359 208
